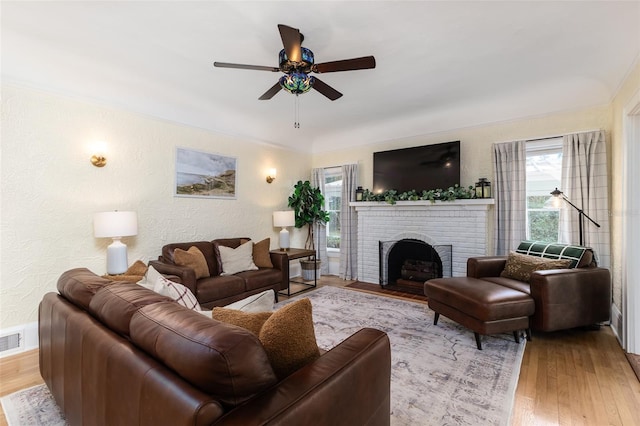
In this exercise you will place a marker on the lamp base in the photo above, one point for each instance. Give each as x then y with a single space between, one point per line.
117 257
284 239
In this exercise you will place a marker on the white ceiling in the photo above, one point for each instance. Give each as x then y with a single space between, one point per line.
440 65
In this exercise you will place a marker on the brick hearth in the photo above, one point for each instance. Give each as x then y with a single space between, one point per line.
463 224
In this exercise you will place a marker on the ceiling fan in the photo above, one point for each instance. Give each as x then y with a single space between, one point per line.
297 62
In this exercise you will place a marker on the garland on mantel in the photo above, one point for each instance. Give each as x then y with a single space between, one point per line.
391 196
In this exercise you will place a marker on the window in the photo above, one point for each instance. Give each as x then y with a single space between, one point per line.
332 203
544 168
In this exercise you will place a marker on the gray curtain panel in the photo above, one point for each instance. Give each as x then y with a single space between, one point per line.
319 231
510 194
349 224
585 184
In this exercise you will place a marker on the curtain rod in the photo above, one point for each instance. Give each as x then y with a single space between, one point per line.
553 136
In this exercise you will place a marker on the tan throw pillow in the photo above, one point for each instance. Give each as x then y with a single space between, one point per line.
138 268
520 266
261 256
237 260
289 339
192 258
252 321
287 335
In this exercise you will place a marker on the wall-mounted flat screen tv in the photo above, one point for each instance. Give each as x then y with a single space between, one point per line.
421 168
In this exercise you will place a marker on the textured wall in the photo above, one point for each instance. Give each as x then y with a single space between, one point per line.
475 142
50 191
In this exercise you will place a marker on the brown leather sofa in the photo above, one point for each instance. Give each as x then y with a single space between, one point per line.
487 303
219 290
115 353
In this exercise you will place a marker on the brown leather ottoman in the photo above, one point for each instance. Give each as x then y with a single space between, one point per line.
482 306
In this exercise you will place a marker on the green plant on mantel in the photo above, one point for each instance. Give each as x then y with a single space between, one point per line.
308 203
452 193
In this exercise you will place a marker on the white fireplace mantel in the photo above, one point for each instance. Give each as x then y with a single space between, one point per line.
463 224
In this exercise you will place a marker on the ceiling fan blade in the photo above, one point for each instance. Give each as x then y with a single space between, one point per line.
325 89
363 63
271 92
291 40
245 67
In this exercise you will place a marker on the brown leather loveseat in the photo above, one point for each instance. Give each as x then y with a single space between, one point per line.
115 353
221 290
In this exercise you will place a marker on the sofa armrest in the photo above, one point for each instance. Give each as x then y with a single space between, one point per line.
485 266
280 261
349 385
567 298
186 275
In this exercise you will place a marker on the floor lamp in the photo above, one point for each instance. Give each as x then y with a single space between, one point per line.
581 214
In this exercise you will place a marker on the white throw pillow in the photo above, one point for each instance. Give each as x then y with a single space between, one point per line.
177 292
261 302
150 278
238 259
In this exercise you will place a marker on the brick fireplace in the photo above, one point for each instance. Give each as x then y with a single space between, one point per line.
463 224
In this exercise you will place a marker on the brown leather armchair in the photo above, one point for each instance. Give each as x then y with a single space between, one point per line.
564 298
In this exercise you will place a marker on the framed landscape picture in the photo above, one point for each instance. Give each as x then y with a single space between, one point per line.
205 175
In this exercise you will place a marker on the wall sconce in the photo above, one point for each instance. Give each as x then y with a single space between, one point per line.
98 149
271 175
98 160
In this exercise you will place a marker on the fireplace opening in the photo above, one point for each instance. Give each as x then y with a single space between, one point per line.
406 264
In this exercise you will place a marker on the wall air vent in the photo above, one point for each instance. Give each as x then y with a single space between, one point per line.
10 341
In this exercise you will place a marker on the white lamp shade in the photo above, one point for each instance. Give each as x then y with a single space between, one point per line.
284 218
115 224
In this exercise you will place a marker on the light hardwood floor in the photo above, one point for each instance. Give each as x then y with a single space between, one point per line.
575 377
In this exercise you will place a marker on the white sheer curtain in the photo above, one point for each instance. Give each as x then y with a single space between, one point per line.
585 184
348 224
510 193
319 231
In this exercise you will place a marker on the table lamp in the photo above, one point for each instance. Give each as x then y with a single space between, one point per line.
283 219
115 225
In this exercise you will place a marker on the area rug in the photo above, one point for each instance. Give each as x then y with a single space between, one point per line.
438 377
33 406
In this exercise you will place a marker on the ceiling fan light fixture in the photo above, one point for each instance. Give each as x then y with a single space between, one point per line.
305 63
297 82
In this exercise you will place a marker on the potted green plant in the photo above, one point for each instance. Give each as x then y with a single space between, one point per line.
307 203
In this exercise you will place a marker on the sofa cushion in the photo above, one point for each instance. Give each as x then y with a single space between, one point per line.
234 260
261 278
115 304
287 334
261 256
177 292
192 258
227 362
80 285
220 287
578 256
520 266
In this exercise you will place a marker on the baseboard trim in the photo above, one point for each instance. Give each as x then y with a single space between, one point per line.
616 324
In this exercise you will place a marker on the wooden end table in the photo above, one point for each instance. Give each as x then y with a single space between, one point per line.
298 253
